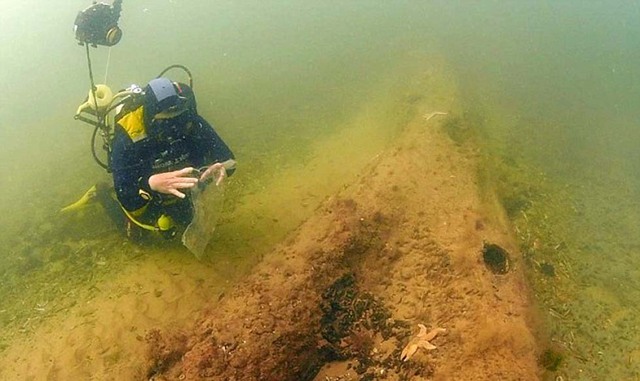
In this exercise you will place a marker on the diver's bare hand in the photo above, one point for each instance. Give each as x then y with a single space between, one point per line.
172 182
211 172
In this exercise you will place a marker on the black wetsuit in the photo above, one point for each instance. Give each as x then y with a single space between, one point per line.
167 145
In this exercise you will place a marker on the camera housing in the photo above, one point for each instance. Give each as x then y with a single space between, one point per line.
98 25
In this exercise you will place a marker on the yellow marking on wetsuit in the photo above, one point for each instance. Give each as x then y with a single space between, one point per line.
133 124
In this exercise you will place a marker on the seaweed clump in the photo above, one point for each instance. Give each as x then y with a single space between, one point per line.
548 269
344 309
352 322
551 360
164 351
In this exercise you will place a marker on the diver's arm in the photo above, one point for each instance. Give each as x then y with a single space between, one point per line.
210 149
130 175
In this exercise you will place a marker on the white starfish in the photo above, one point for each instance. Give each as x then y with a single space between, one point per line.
421 340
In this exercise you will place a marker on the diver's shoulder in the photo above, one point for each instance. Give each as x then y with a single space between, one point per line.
133 124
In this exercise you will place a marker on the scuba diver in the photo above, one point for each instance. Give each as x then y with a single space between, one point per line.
158 148
161 149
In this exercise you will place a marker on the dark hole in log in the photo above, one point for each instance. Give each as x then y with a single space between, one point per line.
496 258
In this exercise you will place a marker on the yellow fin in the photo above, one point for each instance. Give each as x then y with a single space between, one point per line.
86 198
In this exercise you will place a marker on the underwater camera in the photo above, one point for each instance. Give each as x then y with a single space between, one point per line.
98 24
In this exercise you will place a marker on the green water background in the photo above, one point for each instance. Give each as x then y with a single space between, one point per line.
554 86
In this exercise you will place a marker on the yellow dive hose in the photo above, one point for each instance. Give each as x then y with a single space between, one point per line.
164 222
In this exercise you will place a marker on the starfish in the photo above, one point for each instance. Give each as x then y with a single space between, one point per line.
421 340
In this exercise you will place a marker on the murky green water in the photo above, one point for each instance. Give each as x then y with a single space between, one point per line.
553 86
558 87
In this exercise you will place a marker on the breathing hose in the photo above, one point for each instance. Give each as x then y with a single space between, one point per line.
182 67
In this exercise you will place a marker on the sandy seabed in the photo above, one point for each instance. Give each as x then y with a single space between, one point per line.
339 299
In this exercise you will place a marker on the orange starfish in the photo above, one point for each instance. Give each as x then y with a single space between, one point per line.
421 340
